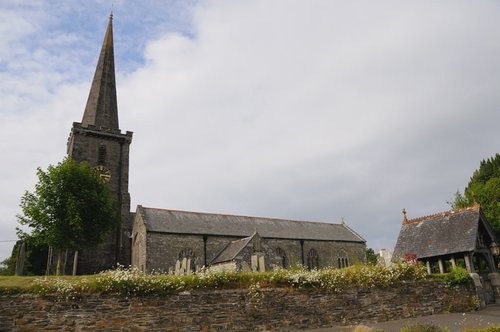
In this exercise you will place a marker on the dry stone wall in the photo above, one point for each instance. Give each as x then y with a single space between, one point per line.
280 309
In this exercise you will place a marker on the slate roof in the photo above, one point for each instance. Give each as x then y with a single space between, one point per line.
184 222
231 250
439 234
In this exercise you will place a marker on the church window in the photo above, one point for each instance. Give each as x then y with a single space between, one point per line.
312 259
102 155
281 257
342 259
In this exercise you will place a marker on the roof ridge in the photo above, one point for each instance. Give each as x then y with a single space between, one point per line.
246 216
354 232
476 206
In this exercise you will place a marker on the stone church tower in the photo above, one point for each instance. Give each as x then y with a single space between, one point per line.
99 141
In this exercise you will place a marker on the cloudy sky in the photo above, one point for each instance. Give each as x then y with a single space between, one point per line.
311 110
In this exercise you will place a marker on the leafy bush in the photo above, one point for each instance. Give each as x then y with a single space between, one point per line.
457 276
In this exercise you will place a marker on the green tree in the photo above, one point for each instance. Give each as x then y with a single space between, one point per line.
70 209
371 257
7 267
483 188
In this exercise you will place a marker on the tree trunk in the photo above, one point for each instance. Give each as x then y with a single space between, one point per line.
59 259
21 255
75 262
65 260
49 261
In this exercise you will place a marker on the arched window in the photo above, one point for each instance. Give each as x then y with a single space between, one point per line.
281 257
342 259
101 160
312 259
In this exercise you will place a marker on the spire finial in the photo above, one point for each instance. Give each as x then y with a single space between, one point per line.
405 220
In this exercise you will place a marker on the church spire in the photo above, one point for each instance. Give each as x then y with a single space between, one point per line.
102 109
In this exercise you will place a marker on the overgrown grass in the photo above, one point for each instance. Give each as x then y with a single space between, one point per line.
132 282
16 282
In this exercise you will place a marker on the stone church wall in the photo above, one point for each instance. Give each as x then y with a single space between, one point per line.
280 309
291 248
329 252
139 244
161 250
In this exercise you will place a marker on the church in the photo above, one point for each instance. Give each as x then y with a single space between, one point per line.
183 242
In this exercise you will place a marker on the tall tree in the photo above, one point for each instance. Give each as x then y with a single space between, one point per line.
71 208
371 257
484 188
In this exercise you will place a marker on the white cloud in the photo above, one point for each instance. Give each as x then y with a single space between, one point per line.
268 105
316 110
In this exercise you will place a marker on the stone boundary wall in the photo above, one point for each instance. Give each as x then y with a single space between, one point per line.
255 309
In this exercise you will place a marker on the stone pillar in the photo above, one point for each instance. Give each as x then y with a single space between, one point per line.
479 288
177 268
495 284
468 263
255 263
441 266
188 266
428 265
262 264
453 262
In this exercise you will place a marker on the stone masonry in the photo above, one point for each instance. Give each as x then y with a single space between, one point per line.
163 250
280 309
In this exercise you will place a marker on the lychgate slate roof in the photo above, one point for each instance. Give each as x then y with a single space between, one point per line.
439 234
184 222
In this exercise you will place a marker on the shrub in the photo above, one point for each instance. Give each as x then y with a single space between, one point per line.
457 276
